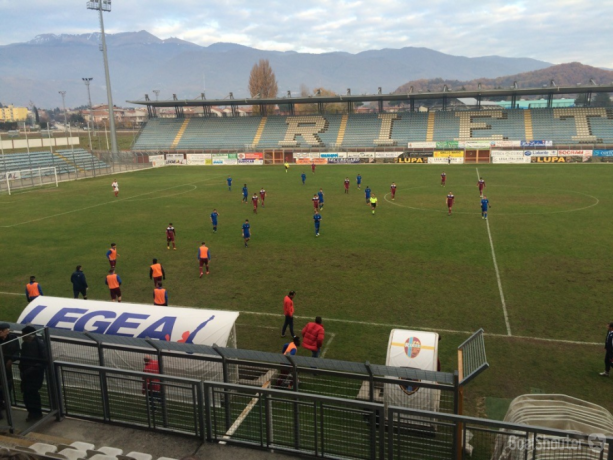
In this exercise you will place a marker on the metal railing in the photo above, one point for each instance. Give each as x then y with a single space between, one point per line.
307 424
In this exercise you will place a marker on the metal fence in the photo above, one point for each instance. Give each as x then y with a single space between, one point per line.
307 424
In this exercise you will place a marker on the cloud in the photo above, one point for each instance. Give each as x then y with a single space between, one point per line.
550 30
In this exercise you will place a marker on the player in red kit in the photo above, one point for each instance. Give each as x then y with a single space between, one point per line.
449 200
170 236
262 195
254 200
313 168
315 201
347 182
393 190
481 185
443 179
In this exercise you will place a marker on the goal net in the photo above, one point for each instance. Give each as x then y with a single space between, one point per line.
11 181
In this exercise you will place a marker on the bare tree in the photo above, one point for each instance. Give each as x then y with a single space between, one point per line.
262 83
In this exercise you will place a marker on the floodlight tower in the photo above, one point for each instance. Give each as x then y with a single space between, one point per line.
87 81
100 6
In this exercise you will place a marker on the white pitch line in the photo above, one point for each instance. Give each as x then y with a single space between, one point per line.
395 325
323 353
504 304
413 326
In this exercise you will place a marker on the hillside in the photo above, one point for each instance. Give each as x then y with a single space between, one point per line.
563 75
140 62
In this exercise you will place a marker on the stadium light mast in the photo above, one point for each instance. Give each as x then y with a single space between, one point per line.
105 5
87 81
63 94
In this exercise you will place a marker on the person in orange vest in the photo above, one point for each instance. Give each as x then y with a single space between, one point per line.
113 281
33 289
156 272
152 387
112 255
286 379
204 255
160 296
291 348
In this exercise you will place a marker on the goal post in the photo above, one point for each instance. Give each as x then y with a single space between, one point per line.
10 181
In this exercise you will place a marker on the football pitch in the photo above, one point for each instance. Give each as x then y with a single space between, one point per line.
536 276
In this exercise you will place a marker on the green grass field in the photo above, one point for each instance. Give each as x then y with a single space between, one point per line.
408 266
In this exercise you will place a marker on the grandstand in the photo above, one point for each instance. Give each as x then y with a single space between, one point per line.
66 161
371 130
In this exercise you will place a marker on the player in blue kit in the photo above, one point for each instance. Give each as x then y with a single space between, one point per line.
214 216
246 231
320 194
359 181
317 220
367 192
245 193
485 203
229 179
303 177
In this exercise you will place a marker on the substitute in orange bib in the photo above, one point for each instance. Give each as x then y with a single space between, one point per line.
113 281
33 289
156 272
112 255
204 255
160 296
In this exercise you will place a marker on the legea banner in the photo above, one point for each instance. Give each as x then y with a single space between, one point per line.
172 324
445 160
502 157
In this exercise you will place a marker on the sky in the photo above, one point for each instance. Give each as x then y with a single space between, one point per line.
555 31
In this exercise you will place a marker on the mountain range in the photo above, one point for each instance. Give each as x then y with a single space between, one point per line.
140 62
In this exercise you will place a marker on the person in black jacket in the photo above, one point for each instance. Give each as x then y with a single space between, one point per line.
79 283
10 353
608 346
32 365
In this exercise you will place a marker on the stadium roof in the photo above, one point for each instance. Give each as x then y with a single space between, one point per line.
549 91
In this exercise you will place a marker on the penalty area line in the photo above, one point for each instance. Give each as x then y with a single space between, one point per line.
504 304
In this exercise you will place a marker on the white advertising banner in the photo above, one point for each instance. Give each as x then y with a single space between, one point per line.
175 159
198 159
158 163
477 145
387 154
250 161
442 161
366 154
502 157
422 145
153 158
305 155
224 161
568 153
505 143
540 153
172 324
